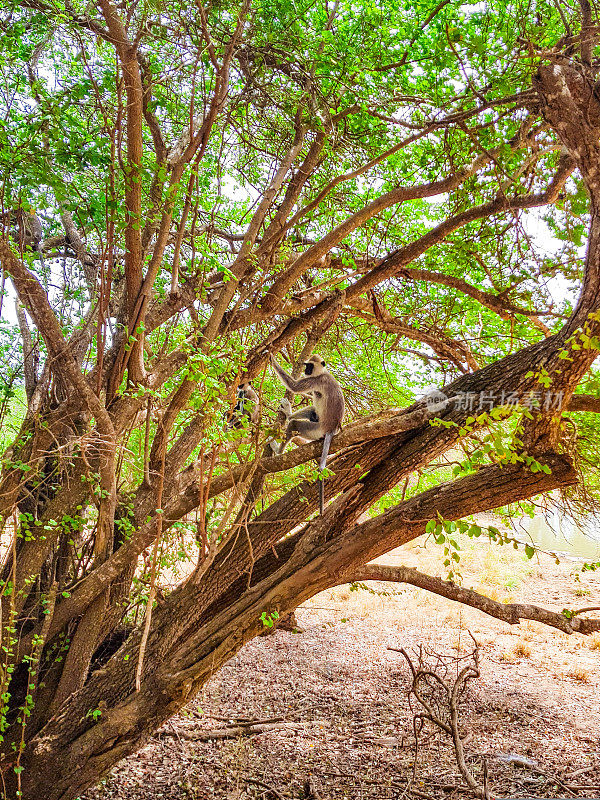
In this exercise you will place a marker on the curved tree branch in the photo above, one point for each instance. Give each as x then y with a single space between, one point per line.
512 613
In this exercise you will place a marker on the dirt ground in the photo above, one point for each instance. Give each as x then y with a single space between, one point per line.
332 703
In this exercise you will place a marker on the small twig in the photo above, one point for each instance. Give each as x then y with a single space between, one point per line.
585 610
420 794
440 698
266 786
576 773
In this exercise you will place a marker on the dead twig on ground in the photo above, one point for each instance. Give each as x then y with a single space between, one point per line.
194 734
266 787
439 698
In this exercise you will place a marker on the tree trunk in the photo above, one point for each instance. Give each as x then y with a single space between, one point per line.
107 719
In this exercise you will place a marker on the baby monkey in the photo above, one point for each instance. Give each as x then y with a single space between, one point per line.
246 406
321 420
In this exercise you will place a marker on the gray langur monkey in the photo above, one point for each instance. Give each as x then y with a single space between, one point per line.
323 418
29 233
30 229
246 406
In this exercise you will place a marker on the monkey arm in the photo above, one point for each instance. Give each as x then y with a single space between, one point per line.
302 386
283 376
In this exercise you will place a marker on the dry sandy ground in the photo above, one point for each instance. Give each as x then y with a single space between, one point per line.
334 698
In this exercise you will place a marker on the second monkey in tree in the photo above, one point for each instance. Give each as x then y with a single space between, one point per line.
247 405
321 420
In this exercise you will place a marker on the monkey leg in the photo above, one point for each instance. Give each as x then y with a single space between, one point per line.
307 413
307 427
302 425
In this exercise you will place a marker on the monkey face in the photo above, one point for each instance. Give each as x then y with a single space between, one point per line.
314 366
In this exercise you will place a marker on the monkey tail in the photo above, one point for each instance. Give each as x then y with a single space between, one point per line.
322 462
39 251
325 450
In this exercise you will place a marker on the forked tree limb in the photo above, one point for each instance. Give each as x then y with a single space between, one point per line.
185 498
62 361
504 374
182 502
202 623
512 613
498 303
35 299
397 260
201 626
275 293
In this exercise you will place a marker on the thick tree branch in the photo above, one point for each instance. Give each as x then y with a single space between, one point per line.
151 120
401 194
86 259
326 553
61 358
281 285
399 259
584 402
512 613
396 261
35 300
447 348
183 502
497 303
31 354
133 178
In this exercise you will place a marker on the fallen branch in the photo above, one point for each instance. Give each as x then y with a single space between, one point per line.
230 731
512 613
527 763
